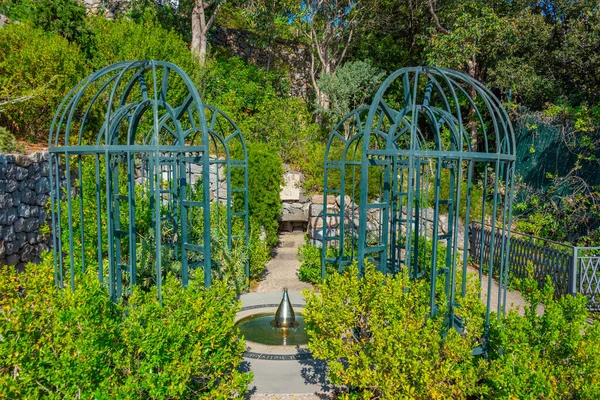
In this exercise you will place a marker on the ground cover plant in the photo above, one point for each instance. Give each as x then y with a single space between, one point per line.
379 342
80 344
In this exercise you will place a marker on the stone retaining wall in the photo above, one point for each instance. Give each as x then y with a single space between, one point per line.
24 193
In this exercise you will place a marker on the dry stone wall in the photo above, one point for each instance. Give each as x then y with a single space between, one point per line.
24 193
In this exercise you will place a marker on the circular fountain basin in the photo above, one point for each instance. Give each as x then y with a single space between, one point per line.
260 328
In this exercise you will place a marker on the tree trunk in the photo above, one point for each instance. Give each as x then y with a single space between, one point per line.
199 31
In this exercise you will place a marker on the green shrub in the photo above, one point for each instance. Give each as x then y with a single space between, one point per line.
8 142
379 342
60 343
555 355
260 103
310 269
259 251
265 179
125 40
64 17
37 69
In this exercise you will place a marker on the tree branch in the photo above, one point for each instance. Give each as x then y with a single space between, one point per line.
435 17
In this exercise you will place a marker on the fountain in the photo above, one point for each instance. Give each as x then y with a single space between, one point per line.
285 328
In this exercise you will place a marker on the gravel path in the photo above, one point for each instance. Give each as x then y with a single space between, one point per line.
282 270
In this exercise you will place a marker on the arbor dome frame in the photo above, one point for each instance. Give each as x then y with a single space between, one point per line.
403 171
156 152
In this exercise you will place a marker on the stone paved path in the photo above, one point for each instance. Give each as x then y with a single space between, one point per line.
282 270
285 380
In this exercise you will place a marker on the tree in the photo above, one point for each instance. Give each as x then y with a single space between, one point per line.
203 18
330 28
351 86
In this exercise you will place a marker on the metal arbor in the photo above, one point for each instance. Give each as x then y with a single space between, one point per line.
403 171
135 159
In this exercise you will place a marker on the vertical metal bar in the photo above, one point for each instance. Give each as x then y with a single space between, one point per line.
110 227
434 243
492 247
81 221
116 214
573 277
184 221
467 224
132 230
99 220
55 222
70 219
156 176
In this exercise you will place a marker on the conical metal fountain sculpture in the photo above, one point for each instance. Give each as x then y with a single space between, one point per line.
285 317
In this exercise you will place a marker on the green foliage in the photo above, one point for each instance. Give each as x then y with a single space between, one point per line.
378 341
259 252
351 86
260 104
124 40
310 269
555 355
61 343
8 142
37 69
64 17
265 179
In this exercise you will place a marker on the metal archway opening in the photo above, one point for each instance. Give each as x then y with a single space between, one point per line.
432 154
141 177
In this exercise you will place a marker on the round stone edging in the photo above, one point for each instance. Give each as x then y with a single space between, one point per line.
275 353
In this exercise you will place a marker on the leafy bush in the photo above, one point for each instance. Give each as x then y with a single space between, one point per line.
555 355
124 40
63 17
80 344
378 341
265 179
37 69
260 104
8 142
310 269
351 86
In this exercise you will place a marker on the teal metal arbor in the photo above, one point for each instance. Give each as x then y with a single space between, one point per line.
136 137
403 171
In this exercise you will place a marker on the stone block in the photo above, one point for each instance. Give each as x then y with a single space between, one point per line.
11 215
6 201
10 248
291 190
20 173
316 199
347 201
45 170
13 259
42 199
28 196
20 239
23 161
316 210
28 253
11 186
24 210
16 198
8 233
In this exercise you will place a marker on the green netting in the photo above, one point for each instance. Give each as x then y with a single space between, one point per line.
541 150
